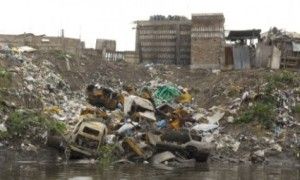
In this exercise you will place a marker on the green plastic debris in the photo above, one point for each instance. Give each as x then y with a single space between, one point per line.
166 94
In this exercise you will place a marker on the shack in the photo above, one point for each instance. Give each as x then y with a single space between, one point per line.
288 43
240 49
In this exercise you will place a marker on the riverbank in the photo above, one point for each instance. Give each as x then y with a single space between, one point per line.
258 109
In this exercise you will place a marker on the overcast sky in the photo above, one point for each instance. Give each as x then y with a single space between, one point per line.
113 19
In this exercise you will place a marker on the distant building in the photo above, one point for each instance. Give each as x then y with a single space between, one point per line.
44 42
108 45
207 41
164 40
131 57
288 43
177 40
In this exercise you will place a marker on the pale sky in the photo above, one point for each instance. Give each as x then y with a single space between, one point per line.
113 19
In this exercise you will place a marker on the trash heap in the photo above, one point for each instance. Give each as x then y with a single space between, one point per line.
42 83
160 123
153 124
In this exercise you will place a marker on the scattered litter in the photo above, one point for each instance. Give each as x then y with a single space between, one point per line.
3 128
205 127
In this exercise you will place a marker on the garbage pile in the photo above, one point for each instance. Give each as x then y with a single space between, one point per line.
159 122
15 53
41 82
153 124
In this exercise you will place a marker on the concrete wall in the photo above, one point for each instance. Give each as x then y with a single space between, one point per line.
92 52
131 57
70 45
108 45
207 41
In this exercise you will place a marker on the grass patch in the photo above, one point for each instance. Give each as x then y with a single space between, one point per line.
5 78
3 135
280 79
107 154
296 109
61 55
20 123
261 112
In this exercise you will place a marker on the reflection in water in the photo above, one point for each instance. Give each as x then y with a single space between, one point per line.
33 170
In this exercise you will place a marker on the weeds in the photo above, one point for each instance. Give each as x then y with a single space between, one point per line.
20 122
296 109
262 112
263 109
60 55
5 78
3 135
107 154
278 80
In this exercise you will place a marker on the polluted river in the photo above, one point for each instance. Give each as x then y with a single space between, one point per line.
79 171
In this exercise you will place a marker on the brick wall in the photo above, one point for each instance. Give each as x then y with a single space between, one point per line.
207 41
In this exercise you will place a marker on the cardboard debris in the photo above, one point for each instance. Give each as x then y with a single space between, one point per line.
133 103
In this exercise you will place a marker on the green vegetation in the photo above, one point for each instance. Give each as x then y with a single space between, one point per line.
280 79
22 122
5 78
107 154
296 109
261 112
3 135
60 55
263 108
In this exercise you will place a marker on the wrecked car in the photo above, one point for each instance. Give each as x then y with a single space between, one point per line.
87 138
103 97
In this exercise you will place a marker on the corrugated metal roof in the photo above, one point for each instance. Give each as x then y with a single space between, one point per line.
243 34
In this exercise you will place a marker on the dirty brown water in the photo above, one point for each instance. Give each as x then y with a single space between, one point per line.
78 171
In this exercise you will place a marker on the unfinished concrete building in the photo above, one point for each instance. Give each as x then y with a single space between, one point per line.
107 44
177 40
164 40
207 41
